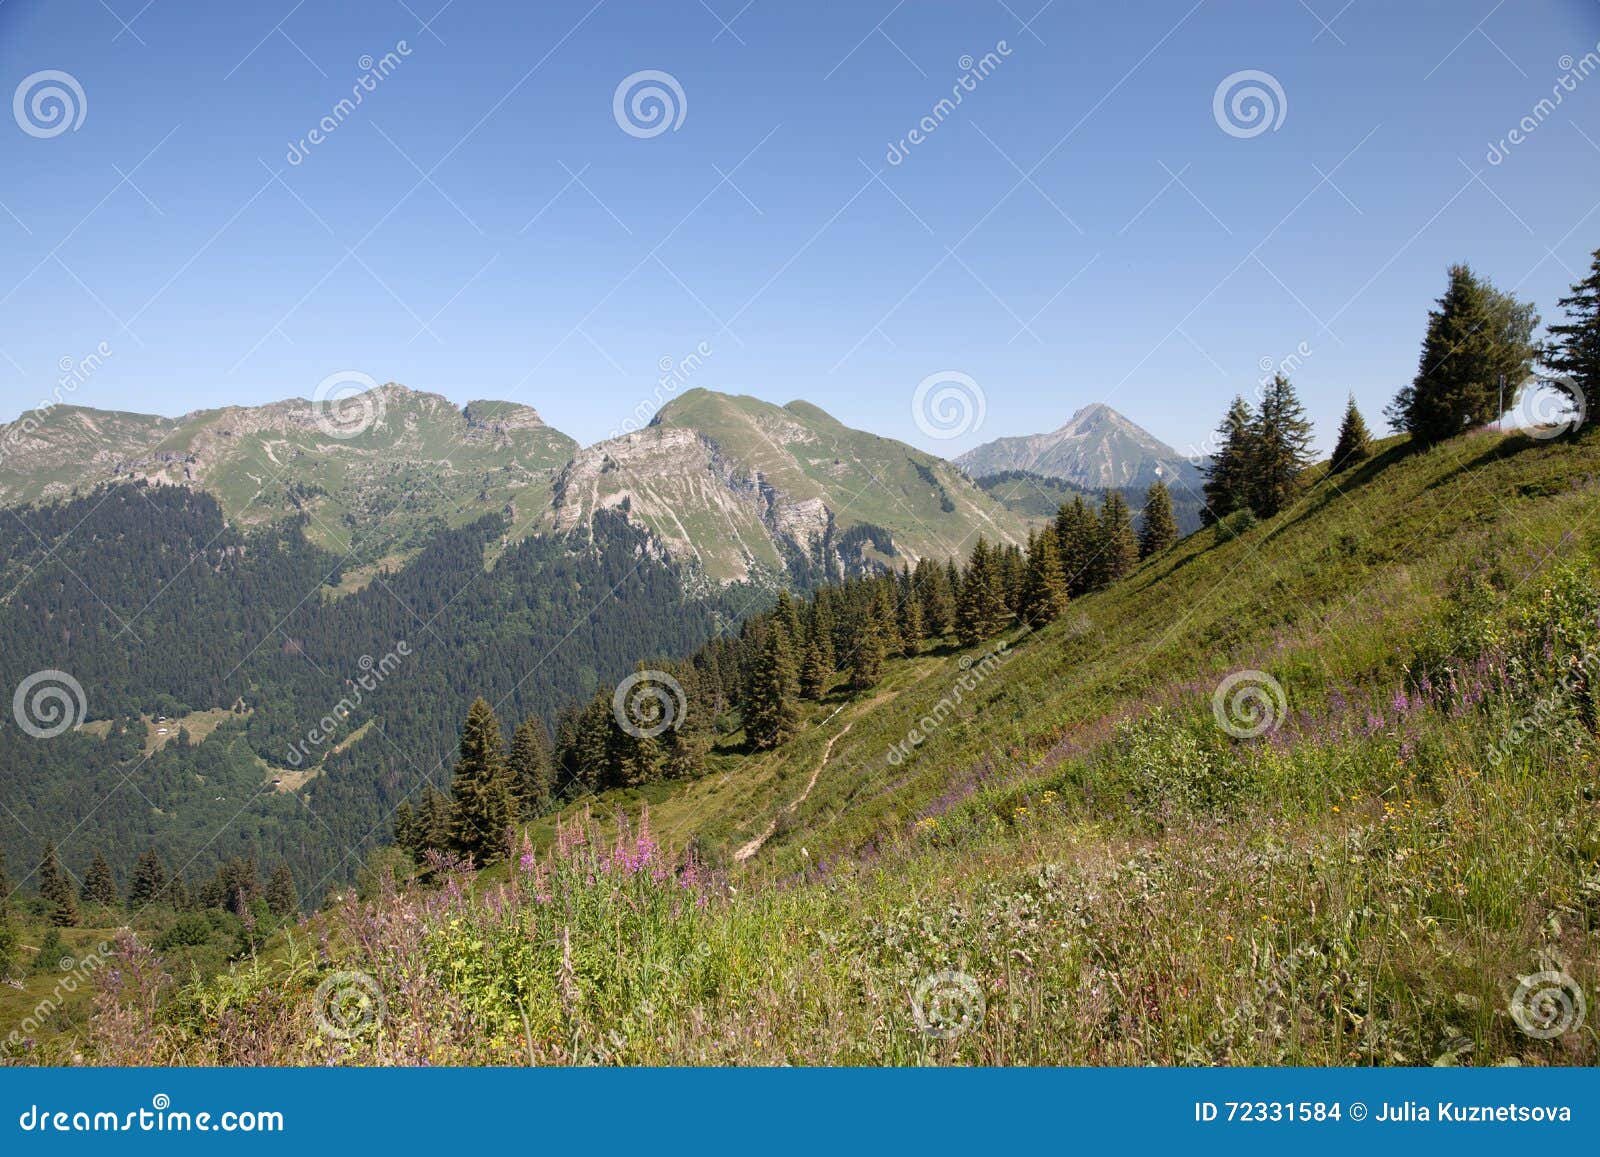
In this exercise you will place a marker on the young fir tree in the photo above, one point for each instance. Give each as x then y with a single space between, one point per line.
1044 586
283 900
1355 443
1076 532
1157 528
1118 551
1574 349
485 804
531 771
933 592
770 710
866 661
912 628
814 672
981 607
1227 485
55 887
1479 341
433 821
149 882
1280 449
99 885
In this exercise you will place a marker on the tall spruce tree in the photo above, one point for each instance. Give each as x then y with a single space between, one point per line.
283 900
866 660
1280 449
981 606
1157 528
99 885
770 709
1044 587
55 888
149 882
1355 443
933 590
531 770
484 800
1479 341
1574 349
1227 485
1076 533
1118 549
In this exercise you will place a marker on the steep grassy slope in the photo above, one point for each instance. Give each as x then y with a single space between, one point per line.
1082 850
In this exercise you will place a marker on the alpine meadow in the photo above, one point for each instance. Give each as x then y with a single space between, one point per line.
1111 582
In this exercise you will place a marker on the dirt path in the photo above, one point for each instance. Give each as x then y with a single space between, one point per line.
754 845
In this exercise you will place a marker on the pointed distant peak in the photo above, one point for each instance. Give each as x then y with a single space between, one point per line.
1095 413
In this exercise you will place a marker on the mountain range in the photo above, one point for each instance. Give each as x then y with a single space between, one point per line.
729 487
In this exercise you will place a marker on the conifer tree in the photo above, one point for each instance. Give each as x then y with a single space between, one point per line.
1279 449
1044 587
866 661
149 882
1227 485
1477 339
1076 533
770 711
1157 528
980 607
1355 443
531 771
433 821
1118 551
910 619
933 591
1574 350
283 900
55 887
485 804
99 886
814 673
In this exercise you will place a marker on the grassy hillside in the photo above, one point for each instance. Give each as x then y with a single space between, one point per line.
1069 848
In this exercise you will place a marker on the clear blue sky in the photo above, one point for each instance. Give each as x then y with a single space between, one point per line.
1149 259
